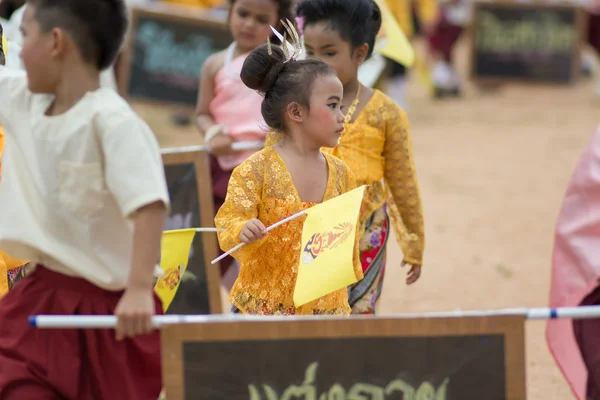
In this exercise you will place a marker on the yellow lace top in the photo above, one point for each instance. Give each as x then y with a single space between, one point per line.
378 149
261 187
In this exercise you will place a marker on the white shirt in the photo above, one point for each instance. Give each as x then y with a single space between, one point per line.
70 182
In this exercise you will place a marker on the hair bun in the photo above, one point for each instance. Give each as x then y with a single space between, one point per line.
260 69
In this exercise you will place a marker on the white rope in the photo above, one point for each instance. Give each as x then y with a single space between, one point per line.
110 321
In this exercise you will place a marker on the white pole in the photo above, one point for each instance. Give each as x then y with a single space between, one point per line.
110 321
275 225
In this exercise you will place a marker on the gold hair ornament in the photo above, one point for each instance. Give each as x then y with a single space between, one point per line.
290 50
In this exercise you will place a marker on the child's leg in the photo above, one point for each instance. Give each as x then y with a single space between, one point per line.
442 43
71 364
220 181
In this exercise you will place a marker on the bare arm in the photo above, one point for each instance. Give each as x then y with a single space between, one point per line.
136 307
206 92
149 222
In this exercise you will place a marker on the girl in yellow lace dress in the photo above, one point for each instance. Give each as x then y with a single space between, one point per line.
376 143
302 101
11 269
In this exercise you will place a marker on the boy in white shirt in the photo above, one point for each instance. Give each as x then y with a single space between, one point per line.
84 197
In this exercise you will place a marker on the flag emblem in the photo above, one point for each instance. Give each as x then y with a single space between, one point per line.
321 242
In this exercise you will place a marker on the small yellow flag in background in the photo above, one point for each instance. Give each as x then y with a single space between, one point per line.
394 44
174 257
327 254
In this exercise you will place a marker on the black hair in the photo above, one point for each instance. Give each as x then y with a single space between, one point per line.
280 82
356 21
285 10
97 27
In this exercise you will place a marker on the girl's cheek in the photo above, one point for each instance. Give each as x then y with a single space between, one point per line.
326 117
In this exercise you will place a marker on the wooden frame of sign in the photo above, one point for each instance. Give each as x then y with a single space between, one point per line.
170 13
538 5
423 358
199 158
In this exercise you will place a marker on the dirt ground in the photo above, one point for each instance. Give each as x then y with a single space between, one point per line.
493 168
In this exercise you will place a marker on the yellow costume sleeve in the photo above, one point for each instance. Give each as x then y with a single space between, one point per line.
241 205
3 276
405 207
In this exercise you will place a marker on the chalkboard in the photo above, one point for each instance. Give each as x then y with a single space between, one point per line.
166 51
189 187
358 358
536 42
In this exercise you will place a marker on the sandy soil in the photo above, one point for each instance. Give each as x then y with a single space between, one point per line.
493 168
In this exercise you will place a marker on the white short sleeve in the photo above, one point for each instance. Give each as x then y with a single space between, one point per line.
134 170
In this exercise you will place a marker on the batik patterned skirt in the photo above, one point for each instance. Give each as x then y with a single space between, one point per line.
364 295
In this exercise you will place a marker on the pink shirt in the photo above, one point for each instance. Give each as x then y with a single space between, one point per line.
576 261
237 108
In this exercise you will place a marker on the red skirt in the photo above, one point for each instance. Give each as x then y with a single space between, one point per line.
587 334
71 364
220 182
594 31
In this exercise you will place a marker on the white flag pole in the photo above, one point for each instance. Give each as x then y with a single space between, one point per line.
275 225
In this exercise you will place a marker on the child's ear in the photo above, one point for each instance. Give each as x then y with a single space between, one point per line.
360 54
295 112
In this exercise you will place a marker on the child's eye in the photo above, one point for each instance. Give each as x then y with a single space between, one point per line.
242 14
310 53
333 105
330 54
263 21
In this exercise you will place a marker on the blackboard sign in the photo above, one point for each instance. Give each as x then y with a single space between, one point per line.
191 207
166 51
358 358
537 42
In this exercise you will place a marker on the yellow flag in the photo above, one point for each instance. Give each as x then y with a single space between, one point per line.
394 44
4 45
327 255
174 257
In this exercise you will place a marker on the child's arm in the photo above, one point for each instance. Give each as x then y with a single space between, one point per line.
139 187
136 307
206 92
214 135
401 179
241 206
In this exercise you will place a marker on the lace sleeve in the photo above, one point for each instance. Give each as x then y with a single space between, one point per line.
404 207
241 204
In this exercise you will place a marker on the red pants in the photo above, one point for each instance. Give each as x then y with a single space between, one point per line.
71 364
587 334
594 31
443 39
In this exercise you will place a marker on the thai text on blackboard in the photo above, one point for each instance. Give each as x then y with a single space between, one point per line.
360 390
541 32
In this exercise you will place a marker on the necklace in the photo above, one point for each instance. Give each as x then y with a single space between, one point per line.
352 107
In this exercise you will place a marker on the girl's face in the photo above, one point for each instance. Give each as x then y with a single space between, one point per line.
324 122
323 43
250 20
